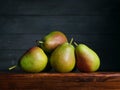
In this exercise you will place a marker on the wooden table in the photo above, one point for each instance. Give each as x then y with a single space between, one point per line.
60 81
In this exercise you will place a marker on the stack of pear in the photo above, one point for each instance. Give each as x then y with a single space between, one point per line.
87 60
55 51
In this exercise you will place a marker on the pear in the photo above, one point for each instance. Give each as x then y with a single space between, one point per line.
52 40
63 58
34 60
87 60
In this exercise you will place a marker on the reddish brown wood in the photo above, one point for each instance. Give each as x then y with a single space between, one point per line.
60 81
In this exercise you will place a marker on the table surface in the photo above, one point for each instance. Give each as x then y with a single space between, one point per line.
61 81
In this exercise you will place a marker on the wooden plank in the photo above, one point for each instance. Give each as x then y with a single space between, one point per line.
53 7
9 58
71 24
24 41
86 81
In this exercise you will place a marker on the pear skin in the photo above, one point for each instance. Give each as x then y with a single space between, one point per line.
34 60
52 40
86 59
63 58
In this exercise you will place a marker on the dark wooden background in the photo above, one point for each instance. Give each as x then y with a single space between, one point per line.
93 22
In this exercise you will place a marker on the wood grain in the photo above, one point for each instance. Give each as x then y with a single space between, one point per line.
69 24
53 7
12 41
63 81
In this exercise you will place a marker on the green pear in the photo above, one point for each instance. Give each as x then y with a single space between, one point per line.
52 40
86 59
63 58
34 60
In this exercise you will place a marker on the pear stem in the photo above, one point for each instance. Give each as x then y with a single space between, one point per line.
39 42
12 67
75 44
71 40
